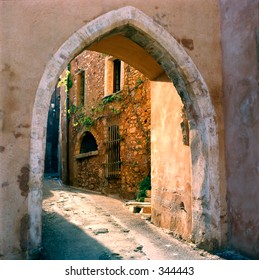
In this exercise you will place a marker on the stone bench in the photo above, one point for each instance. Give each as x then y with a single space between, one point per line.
139 207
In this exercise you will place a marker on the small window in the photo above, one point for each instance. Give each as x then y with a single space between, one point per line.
81 87
116 75
88 143
113 164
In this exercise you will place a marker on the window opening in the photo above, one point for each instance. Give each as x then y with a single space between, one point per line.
88 143
116 75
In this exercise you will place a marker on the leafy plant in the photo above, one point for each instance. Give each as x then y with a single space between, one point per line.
77 113
144 185
87 121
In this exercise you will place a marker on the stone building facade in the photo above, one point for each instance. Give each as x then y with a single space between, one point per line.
109 127
202 54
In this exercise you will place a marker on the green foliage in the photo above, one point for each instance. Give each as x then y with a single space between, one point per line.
111 98
73 109
144 185
69 82
87 121
77 114
79 117
139 82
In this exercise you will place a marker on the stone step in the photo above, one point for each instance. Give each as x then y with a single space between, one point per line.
137 203
139 207
146 210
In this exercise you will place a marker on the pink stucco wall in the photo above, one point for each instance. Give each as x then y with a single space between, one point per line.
240 22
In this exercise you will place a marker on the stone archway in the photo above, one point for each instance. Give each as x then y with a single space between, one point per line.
165 50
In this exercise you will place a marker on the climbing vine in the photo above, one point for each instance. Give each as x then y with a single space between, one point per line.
111 104
80 119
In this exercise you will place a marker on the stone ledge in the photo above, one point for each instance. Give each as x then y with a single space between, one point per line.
138 204
89 154
144 208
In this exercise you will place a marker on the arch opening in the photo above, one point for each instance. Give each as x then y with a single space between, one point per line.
163 54
88 143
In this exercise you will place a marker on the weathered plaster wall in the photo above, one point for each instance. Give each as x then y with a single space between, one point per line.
171 162
31 32
241 104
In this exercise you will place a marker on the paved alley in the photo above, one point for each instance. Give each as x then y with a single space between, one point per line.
82 225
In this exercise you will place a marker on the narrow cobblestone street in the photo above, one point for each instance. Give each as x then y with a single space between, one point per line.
78 224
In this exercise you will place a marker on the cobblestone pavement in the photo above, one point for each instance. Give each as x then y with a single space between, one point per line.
82 225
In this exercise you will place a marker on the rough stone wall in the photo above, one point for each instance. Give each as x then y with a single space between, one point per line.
135 124
93 65
133 105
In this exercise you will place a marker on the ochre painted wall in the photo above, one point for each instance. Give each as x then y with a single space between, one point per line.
171 162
